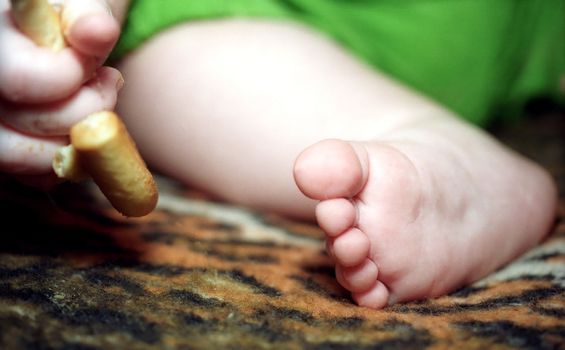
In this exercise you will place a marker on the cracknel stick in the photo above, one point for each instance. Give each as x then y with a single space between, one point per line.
108 154
102 148
100 145
40 22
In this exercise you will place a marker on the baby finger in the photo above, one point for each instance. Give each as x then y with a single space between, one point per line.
27 155
55 119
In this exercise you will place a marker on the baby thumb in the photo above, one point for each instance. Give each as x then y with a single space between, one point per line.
89 27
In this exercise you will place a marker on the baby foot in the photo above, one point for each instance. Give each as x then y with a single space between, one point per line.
407 221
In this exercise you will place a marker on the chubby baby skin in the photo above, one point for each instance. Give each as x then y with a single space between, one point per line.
43 92
414 202
418 218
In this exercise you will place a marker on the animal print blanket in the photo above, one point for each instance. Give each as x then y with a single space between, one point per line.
200 274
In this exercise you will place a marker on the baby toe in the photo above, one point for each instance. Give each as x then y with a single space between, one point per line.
351 248
335 216
358 278
375 298
330 169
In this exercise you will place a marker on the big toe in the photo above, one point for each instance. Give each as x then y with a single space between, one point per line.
331 169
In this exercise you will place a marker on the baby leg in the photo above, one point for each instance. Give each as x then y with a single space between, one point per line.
414 202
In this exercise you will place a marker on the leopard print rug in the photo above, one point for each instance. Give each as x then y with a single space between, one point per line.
201 274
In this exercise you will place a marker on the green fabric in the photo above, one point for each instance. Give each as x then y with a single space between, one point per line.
480 58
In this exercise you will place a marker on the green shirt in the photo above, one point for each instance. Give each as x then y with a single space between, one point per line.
481 58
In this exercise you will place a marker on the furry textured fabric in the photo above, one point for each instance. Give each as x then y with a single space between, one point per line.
198 274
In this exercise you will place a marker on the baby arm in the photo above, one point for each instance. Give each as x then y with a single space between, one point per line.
44 92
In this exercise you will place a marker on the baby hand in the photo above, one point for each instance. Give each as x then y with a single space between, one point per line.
43 93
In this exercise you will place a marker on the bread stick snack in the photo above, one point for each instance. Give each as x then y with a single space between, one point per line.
67 166
102 148
108 154
40 22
